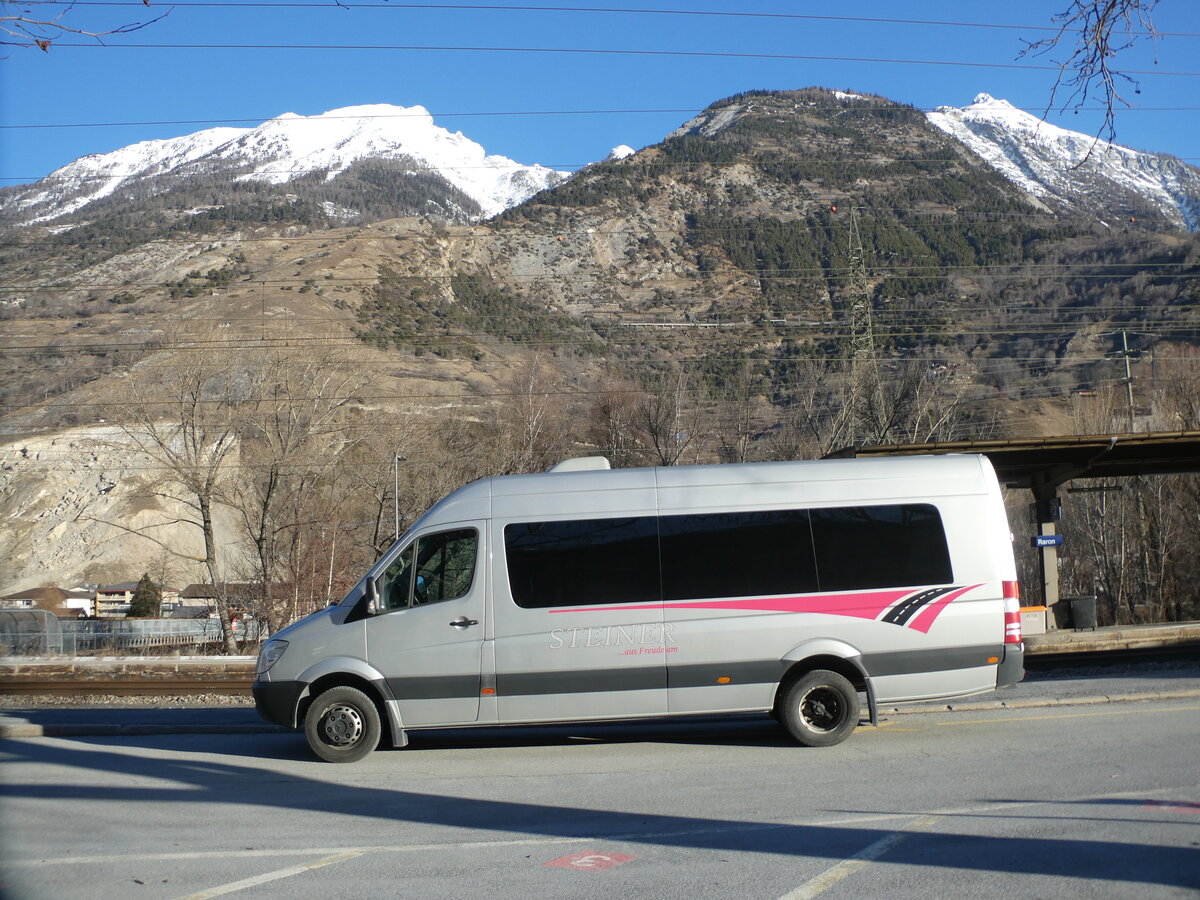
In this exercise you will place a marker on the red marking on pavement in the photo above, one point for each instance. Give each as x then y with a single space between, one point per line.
591 861
1169 806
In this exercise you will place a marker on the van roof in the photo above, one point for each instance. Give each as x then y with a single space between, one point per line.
891 476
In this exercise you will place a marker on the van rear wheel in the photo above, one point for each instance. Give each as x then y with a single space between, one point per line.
342 725
820 708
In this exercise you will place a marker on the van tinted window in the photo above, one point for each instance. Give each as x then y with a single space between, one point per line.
716 555
737 554
579 563
864 547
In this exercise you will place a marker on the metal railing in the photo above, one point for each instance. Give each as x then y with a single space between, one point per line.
36 632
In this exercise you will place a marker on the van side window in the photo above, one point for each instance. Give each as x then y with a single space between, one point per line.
396 580
444 570
737 554
863 547
580 563
716 555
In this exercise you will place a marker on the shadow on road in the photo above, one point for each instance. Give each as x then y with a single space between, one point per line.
213 781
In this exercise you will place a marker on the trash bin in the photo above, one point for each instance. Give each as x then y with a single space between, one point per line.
1083 612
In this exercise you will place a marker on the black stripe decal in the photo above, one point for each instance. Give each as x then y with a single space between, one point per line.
908 607
764 671
585 681
910 662
434 687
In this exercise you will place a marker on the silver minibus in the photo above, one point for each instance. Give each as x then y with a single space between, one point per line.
808 589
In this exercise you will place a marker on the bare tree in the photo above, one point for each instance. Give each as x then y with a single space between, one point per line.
39 23
817 417
1093 33
668 423
1134 537
917 402
189 422
611 421
738 413
532 420
402 464
291 439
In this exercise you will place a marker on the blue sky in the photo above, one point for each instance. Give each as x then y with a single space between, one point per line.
595 100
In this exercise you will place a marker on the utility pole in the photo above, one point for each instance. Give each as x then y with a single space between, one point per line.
396 492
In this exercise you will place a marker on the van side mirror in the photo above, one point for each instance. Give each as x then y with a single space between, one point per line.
372 598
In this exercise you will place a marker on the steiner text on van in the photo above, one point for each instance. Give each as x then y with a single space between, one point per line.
588 594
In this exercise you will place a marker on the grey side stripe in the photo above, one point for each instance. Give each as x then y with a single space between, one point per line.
910 662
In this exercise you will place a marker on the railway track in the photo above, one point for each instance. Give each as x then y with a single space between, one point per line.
237 683
123 687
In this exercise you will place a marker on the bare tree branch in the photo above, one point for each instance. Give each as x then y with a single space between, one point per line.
21 26
1095 32
141 532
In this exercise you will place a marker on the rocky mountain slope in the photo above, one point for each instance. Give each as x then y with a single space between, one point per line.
743 220
1069 171
83 523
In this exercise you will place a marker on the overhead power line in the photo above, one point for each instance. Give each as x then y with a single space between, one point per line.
603 51
596 10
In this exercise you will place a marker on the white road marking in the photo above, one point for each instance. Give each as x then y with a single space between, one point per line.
848 867
265 877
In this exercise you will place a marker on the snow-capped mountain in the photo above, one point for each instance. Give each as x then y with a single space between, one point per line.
1060 168
362 163
283 150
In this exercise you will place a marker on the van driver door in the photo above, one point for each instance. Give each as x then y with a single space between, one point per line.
426 635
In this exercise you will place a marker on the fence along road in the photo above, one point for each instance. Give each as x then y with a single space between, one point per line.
36 632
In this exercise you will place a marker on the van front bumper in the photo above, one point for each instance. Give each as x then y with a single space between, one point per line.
277 701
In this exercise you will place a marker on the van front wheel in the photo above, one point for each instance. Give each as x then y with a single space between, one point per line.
342 725
820 708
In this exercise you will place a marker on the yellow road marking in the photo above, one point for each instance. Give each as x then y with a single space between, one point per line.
1086 715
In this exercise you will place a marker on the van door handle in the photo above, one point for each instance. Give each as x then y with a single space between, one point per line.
463 622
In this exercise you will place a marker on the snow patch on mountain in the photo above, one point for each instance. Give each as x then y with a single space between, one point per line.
94 177
1054 164
291 146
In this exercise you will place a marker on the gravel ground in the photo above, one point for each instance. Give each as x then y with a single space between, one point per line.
92 701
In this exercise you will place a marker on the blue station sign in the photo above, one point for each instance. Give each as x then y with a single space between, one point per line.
1047 540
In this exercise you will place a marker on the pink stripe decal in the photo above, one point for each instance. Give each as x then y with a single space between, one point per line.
924 621
868 605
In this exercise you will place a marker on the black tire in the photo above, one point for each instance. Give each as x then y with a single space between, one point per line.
819 709
342 725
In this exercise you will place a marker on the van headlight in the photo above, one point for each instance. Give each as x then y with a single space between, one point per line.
270 654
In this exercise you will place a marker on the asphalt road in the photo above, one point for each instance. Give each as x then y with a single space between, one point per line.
1074 799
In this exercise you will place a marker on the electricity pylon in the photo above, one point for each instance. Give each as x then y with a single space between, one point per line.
866 395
